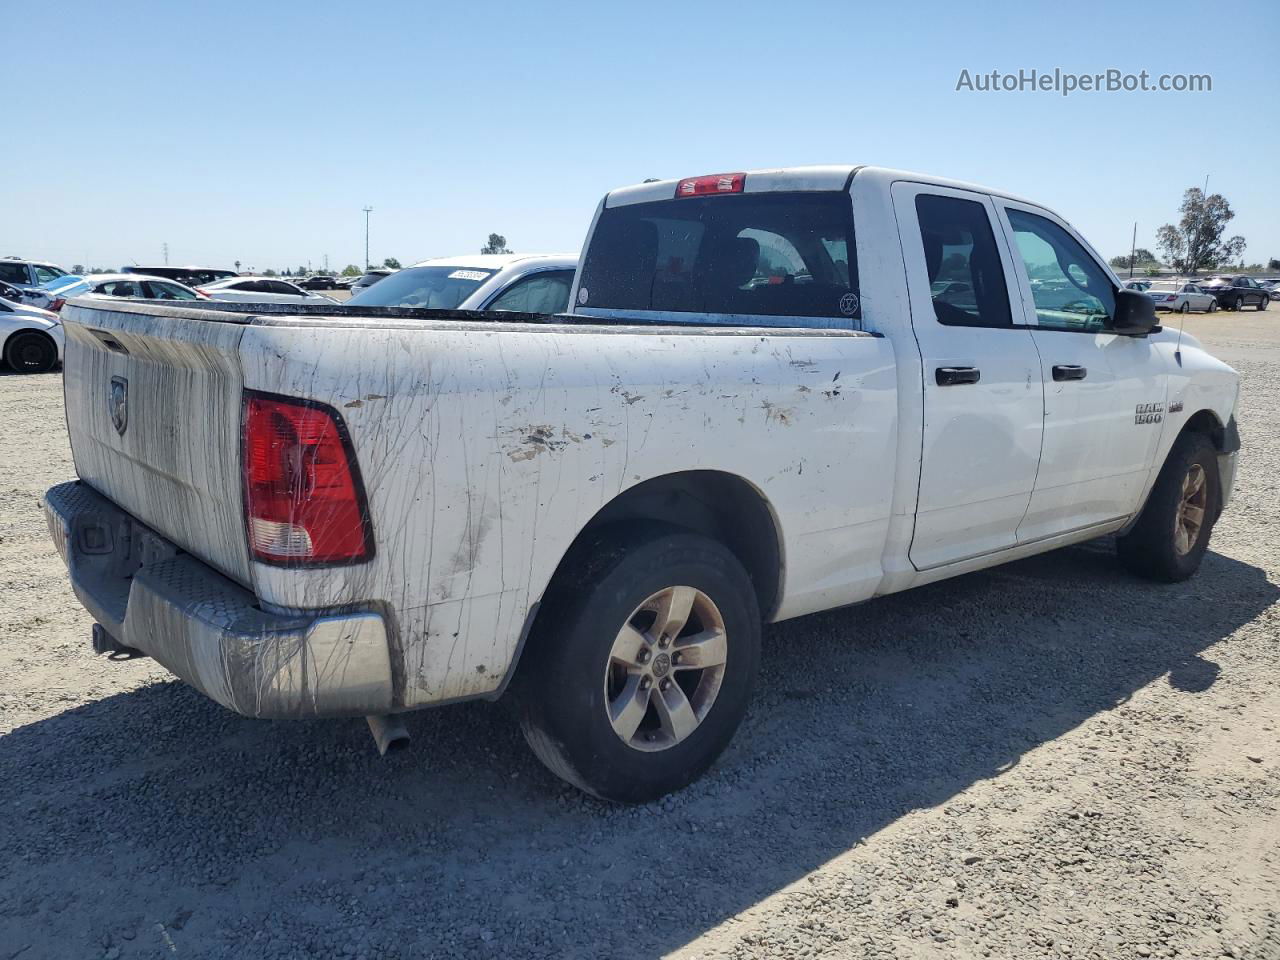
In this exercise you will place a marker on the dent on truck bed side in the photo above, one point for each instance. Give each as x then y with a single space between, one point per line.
486 450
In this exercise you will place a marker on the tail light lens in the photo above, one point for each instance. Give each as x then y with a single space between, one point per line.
202 291
1171 297
57 304
303 499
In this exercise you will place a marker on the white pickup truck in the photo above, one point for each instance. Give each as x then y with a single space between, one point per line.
777 392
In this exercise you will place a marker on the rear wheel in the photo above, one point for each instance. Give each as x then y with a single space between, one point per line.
1262 303
1172 533
1237 303
1186 307
641 664
30 351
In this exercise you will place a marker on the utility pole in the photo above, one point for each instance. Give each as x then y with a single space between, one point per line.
1133 249
367 211
165 247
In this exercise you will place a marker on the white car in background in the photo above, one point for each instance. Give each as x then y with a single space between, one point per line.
480 281
30 338
260 290
128 286
1181 296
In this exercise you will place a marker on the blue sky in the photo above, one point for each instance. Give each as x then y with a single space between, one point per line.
256 132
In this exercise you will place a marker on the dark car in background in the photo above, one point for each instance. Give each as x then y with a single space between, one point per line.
1236 292
319 282
189 276
369 279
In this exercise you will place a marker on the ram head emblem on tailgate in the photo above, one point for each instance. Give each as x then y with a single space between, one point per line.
118 403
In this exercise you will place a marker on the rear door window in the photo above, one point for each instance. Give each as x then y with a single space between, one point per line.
763 254
120 288
540 293
966 280
14 273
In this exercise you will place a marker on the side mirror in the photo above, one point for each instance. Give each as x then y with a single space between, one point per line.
1135 314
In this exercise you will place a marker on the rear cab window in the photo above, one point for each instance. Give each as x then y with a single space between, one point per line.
771 254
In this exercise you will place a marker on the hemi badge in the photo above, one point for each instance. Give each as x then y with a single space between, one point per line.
1175 406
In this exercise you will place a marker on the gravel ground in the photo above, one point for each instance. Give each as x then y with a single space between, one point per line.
1046 759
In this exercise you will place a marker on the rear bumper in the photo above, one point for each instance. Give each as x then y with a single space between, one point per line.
209 631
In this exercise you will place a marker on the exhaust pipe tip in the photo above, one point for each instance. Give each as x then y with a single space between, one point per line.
388 732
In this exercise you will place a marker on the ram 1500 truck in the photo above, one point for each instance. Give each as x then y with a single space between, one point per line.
777 392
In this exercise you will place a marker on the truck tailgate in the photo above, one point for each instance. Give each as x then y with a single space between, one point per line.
153 411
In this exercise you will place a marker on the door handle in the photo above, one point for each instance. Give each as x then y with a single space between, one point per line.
954 376
1069 371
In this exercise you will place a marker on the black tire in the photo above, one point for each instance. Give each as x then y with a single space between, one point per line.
30 351
1237 303
1262 304
569 651
1151 548
1186 307
1213 305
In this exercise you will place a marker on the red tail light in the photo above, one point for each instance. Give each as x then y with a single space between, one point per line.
203 292
57 304
1171 297
303 499
714 183
203 295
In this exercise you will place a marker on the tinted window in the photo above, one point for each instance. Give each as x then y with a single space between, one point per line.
120 288
764 254
965 277
279 286
1070 290
13 272
541 293
434 288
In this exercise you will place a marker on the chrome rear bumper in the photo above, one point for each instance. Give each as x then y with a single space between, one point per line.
211 632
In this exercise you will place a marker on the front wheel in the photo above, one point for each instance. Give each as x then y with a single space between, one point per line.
640 665
1262 304
1172 533
1213 305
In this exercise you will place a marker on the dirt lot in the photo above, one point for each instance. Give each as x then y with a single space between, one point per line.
1047 759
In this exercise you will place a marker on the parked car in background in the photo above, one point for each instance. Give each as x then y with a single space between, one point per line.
598 512
126 286
318 282
1236 293
479 281
47 295
188 276
1272 287
261 290
30 338
28 273
1139 285
369 278
1180 295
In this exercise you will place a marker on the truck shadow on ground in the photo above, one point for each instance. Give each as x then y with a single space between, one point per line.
159 807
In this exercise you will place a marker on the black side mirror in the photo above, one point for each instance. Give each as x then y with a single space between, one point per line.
1135 314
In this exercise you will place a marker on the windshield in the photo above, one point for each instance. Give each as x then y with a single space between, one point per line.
436 288
1166 287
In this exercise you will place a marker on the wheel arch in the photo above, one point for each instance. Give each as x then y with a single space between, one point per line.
1224 436
723 506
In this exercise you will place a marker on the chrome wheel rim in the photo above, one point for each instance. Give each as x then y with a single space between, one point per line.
1191 510
665 669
